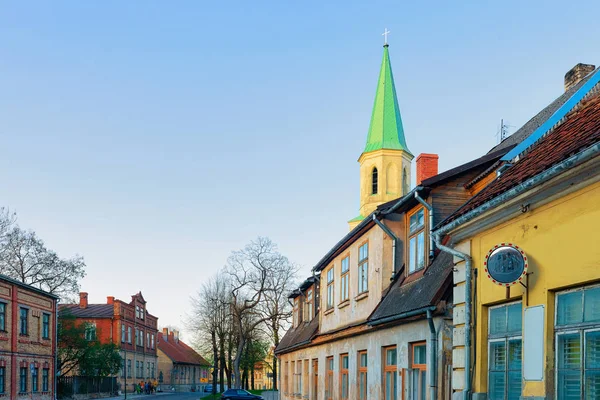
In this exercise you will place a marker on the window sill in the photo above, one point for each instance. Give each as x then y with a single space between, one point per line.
362 296
329 311
344 303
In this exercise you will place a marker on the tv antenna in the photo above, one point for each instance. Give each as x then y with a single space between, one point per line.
503 131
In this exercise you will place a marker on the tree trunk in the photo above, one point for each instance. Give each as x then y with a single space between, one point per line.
222 364
215 361
276 342
237 381
252 377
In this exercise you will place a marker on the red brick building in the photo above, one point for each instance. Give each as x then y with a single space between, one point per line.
27 341
128 325
180 366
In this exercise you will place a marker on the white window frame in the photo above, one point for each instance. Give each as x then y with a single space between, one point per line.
345 279
330 287
504 339
363 270
576 328
413 264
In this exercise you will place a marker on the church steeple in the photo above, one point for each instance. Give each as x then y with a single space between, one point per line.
386 130
385 161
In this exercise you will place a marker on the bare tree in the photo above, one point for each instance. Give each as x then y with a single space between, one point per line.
24 257
276 306
251 273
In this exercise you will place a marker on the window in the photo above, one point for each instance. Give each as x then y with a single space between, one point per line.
24 315
2 317
344 279
129 368
330 288
137 369
23 380
309 305
152 371
374 181
298 377
416 241
504 354
148 339
152 338
329 379
578 344
418 386
295 317
148 369
142 312
390 374
123 368
293 377
2 379
45 326
315 382
129 334
286 381
137 311
363 268
362 375
45 380
90 331
34 380
123 336
344 377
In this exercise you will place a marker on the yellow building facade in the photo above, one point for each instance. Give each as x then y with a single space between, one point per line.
540 337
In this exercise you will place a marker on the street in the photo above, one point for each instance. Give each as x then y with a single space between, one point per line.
187 396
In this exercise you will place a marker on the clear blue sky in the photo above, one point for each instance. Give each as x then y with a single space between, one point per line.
155 137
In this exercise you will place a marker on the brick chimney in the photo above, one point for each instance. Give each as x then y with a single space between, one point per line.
577 73
110 300
176 336
83 300
427 166
166 334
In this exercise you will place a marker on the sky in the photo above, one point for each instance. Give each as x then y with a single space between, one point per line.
156 137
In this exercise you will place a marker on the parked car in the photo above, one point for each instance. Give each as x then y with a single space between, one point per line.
239 394
208 389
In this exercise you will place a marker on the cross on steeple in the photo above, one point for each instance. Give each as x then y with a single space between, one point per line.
385 35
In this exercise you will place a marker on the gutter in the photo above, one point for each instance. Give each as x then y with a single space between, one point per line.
395 242
402 201
468 309
407 314
542 177
430 212
432 358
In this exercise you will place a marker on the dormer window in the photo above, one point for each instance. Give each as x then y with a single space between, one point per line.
330 288
416 241
374 181
309 305
295 315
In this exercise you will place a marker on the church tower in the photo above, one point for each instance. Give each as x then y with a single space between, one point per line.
385 161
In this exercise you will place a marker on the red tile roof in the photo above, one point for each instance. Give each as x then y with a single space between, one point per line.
178 351
580 130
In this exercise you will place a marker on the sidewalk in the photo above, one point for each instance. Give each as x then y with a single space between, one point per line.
139 396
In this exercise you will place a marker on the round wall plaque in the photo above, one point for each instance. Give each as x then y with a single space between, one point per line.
505 264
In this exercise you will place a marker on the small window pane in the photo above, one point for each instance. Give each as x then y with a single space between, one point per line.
420 353
515 318
514 355
592 349
570 308
345 265
497 356
345 362
496 386
569 351
421 250
569 385
592 385
592 305
390 358
363 359
412 262
497 320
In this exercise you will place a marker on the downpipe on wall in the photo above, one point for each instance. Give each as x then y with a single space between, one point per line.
395 241
432 357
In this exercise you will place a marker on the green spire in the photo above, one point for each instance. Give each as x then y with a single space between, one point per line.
385 131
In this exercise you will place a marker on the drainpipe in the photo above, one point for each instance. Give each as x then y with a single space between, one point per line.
430 212
468 309
394 243
432 358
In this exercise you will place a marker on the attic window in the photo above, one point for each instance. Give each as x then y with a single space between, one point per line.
374 181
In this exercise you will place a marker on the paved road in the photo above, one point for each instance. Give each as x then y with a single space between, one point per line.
182 396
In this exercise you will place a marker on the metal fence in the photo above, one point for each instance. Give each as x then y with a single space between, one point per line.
84 387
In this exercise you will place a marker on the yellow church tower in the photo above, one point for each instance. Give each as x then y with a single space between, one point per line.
385 161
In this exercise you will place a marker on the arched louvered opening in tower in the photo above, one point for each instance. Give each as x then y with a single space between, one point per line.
374 181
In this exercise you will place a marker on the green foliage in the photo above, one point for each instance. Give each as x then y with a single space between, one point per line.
256 351
85 356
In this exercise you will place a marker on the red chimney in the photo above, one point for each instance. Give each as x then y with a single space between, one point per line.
110 300
83 300
427 166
